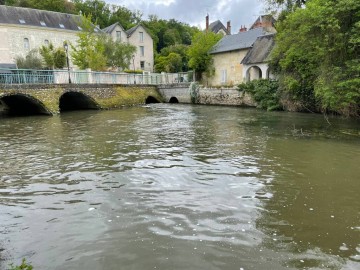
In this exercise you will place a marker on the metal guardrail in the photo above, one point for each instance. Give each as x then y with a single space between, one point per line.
30 76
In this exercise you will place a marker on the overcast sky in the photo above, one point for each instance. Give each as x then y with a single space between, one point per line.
193 12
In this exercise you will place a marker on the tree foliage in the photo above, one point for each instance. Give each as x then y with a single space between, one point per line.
199 57
51 5
31 61
118 54
179 49
317 56
171 63
90 48
53 57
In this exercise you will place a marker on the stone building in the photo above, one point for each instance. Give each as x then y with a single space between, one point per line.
141 39
230 51
24 29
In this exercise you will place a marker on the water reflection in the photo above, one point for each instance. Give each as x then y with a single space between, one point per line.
179 187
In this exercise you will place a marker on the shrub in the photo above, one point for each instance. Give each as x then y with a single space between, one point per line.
264 92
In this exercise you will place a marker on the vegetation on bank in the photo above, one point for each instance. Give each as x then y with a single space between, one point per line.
23 266
264 92
317 56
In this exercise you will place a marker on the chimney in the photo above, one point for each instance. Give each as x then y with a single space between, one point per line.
207 22
228 28
243 29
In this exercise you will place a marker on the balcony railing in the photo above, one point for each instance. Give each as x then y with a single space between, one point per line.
29 76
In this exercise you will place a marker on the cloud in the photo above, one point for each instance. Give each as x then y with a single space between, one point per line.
193 12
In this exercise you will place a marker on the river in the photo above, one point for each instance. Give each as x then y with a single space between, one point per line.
171 186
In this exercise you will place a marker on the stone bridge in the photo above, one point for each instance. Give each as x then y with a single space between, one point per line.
50 99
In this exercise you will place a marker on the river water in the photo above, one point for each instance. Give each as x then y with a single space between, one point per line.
180 187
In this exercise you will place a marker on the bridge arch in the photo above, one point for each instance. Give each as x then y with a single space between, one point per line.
173 100
23 105
151 99
72 101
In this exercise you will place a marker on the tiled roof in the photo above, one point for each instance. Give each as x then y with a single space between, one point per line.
260 51
238 41
40 18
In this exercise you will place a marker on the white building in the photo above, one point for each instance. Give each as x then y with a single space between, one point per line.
141 39
24 29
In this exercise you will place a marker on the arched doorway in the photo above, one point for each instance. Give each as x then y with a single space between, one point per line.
253 73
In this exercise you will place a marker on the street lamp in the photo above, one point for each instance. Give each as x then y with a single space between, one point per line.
66 47
133 58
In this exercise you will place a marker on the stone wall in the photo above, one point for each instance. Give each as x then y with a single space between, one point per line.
211 96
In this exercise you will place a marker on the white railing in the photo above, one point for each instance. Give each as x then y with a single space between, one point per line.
28 76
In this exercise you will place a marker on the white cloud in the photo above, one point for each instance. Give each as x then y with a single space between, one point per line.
193 12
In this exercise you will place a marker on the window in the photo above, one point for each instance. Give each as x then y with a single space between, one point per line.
141 36
61 25
142 64
142 51
79 28
42 23
46 42
22 21
26 44
223 76
118 35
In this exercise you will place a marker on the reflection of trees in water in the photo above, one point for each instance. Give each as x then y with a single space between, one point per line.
314 207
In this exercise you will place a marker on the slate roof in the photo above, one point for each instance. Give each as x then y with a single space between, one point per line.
34 17
217 26
111 28
260 51
238 41
132 30
267 19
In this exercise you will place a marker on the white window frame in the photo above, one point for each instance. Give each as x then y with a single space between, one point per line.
26 44
118 35
141 36
223 76
142 50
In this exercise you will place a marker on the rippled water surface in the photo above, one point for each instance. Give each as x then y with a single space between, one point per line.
180 187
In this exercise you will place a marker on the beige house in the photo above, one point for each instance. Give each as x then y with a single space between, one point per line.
24 29
139 37
229 53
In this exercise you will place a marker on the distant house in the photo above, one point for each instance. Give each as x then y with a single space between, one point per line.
141 39
228 55
217 27
24 29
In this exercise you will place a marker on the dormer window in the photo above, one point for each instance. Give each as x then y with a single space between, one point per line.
61 25
22 21
42 23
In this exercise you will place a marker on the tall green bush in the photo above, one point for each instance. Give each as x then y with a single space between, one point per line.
264 92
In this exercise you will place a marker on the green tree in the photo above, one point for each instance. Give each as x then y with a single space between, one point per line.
90 48
199 57
53 57
31 61
171 63
51 5
179 49
317 56
118 55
